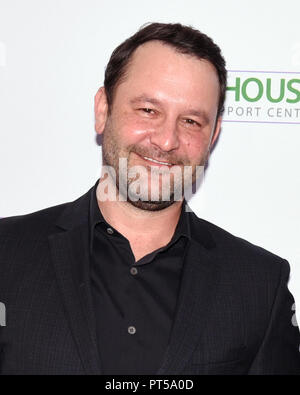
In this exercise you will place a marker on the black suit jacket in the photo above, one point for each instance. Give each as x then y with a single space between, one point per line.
234 313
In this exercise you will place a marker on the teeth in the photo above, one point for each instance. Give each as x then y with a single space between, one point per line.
156 161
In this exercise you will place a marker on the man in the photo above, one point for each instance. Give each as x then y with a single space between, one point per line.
125 280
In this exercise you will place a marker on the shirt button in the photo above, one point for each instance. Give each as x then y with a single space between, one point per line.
131 330
133 271
109 231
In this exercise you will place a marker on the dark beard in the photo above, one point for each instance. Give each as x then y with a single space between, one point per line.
152 205
110 157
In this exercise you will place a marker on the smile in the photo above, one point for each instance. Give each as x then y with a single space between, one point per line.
157 161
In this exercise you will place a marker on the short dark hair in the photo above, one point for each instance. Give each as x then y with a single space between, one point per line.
185 39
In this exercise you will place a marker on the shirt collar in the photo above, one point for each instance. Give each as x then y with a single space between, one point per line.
96 217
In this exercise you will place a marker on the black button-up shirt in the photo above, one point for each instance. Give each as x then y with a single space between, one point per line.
134 302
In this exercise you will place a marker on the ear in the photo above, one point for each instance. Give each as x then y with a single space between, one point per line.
214 136
101 110
216 132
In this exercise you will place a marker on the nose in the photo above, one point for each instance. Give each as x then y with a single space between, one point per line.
165 137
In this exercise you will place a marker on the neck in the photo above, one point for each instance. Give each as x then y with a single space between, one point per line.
134 222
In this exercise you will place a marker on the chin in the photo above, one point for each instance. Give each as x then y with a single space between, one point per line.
151 205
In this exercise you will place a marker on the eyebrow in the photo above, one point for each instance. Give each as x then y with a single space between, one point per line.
200 114
144 98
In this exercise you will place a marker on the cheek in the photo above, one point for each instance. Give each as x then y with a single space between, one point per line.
195 145
131 129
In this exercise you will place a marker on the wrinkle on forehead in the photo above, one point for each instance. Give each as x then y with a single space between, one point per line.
144 99
162 73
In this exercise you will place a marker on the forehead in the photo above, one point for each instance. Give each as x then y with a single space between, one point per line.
160 70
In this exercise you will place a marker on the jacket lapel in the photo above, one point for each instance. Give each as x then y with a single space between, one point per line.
198 284
70 255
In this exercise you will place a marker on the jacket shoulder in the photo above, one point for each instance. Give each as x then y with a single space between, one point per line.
252 270
40 224
33 225
233 248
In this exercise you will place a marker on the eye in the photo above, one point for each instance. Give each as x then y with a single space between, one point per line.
191 122
147 110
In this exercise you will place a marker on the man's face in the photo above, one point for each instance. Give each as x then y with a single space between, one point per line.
165 110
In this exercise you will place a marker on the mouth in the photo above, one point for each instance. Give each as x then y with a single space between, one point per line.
155 162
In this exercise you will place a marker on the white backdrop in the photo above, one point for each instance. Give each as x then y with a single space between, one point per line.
52 59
